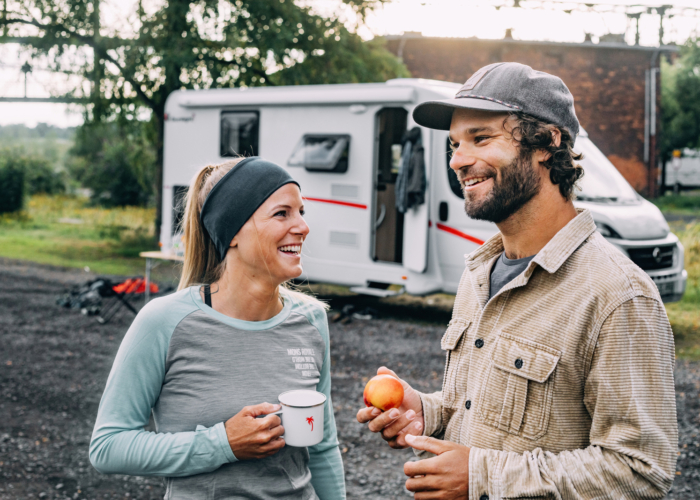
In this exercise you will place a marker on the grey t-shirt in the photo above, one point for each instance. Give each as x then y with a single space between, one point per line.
196 368
504 270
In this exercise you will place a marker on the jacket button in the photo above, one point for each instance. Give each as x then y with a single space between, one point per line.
468 404
484 497
479 343
518 363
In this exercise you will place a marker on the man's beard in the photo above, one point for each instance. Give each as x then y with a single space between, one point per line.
519 183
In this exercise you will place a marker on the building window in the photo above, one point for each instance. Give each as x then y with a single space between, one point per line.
322 153
239 133
455 186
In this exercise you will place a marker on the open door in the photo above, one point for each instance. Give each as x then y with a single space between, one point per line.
415 221
387 226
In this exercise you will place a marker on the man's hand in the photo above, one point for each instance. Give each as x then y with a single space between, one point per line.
445 476
399 422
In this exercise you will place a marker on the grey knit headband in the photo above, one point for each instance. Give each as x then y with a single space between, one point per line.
236 197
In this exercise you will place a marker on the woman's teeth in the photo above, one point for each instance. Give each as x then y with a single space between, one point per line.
295 249
474 180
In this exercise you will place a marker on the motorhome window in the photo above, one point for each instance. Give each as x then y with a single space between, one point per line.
322 153
239 133
179 198
601 181
455 186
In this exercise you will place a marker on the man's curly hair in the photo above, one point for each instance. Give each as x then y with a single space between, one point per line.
533 134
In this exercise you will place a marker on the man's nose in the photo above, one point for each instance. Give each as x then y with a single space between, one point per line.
461 158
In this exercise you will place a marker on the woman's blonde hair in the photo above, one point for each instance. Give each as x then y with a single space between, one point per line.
202 265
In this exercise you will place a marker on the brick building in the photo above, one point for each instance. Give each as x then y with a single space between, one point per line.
613 85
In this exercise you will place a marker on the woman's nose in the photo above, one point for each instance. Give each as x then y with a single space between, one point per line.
301 227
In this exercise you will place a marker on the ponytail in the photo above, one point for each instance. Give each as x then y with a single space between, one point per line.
202 265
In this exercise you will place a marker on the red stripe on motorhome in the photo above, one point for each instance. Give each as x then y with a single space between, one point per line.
336 202
459 233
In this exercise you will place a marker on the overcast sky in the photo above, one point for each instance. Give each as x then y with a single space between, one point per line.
540 20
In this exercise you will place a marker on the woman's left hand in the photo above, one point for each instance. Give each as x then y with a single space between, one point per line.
252 437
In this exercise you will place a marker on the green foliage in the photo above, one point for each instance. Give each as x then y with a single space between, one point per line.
350 60
680 100
11 184
115 161
42 177
185 44
678 203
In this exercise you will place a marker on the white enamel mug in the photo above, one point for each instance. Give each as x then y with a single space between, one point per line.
302 417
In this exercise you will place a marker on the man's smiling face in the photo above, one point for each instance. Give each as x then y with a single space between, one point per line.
496 181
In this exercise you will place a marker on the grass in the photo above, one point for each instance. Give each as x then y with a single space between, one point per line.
685 315
66 231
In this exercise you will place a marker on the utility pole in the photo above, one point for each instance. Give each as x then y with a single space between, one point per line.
98 66
26 68
661 11
636 17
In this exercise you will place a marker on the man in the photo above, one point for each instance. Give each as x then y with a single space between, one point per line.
559 376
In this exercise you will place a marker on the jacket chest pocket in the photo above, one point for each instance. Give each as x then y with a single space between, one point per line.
516 394
450 342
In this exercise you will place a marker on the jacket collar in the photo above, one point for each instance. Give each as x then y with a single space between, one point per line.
554 253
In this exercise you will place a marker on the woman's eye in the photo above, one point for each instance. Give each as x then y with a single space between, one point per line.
282 213
302 212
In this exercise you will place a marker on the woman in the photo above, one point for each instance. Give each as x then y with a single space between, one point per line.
205 358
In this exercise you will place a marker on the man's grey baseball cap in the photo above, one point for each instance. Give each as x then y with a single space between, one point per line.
504 87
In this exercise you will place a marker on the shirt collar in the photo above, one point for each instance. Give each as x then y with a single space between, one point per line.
554 253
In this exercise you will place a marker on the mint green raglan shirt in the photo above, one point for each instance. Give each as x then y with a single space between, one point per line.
195 368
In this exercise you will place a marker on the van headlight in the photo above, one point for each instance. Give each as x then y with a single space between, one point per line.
607 231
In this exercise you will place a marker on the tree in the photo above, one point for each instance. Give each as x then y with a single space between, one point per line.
680 100
195 44
115 161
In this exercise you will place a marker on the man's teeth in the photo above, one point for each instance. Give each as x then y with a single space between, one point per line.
474 180
291 248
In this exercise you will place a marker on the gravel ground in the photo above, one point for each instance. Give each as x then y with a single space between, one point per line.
54 363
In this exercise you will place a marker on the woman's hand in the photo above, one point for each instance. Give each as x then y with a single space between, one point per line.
396 424
251 437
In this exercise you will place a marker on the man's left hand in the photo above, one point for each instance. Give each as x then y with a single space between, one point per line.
445 476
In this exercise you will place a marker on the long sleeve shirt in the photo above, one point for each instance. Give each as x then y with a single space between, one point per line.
195 368
562 382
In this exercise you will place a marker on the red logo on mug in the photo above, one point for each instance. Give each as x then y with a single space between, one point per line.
310 421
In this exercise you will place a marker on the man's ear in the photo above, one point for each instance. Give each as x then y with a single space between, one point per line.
542 156
556 136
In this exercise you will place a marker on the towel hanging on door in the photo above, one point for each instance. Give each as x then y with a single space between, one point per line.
411 182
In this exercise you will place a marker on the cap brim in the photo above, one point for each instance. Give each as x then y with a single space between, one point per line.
438 114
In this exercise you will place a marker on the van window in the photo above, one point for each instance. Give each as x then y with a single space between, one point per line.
455 186
322 153
239 133
601 181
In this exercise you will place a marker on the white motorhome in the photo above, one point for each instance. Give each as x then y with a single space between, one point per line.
343 144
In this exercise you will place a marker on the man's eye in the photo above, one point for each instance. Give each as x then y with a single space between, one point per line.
480 138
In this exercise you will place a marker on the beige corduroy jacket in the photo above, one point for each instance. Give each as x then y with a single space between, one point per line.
562 383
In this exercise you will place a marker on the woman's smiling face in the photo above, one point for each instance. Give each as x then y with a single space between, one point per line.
269 244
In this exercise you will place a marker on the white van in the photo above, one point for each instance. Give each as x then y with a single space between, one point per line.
343 144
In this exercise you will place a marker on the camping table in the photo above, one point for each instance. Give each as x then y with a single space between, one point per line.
152 260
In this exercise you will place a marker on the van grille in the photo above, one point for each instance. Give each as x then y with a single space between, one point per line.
650 258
